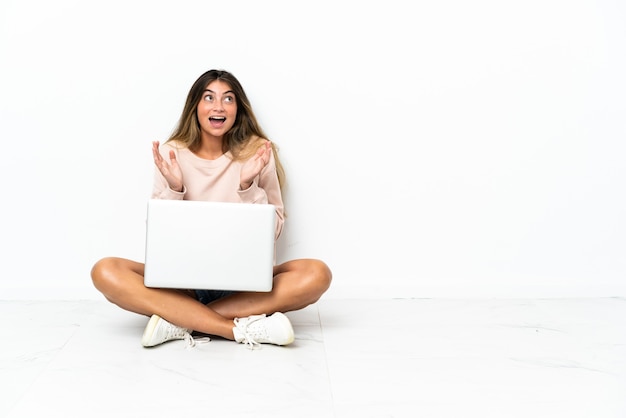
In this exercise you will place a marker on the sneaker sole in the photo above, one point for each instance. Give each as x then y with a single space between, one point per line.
149 331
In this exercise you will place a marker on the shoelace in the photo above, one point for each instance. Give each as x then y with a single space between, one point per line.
191 342
249 337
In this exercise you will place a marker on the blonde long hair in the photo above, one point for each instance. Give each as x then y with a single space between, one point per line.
242 140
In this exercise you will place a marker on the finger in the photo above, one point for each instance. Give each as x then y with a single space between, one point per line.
156 154
268 151
264 151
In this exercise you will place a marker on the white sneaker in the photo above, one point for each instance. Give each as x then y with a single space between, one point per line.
159 331
257 329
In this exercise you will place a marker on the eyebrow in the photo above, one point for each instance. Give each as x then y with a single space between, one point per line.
226 92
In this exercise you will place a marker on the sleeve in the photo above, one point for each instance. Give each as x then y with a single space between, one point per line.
266 189
160 188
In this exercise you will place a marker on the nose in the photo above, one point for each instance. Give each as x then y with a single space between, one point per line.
218 105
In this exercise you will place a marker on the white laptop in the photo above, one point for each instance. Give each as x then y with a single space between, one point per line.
209 245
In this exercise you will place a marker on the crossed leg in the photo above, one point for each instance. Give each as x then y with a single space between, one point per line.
297 284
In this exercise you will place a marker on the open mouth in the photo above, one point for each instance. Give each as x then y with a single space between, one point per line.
217 120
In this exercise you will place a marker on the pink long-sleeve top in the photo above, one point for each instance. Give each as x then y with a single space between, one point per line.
218 181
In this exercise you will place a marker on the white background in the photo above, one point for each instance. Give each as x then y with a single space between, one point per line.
450 148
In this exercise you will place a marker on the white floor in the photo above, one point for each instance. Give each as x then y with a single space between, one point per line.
351 358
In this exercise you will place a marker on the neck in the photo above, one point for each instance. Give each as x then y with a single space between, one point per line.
210 148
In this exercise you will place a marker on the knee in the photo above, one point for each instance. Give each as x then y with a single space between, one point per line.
103 274
319 276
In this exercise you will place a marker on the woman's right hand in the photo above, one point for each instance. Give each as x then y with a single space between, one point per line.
170 170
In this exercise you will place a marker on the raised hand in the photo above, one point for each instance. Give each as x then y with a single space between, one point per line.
254 165
170 170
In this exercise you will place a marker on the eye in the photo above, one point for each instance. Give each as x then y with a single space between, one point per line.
207 98
229 99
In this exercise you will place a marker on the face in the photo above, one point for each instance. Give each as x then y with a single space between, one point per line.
217 109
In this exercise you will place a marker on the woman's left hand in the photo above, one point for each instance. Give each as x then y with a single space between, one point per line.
254 165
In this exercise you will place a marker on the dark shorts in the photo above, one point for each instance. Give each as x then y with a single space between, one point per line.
208 296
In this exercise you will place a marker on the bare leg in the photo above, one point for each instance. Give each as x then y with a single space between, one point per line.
297 284
121 282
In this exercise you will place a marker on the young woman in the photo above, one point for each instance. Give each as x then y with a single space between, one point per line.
218 152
